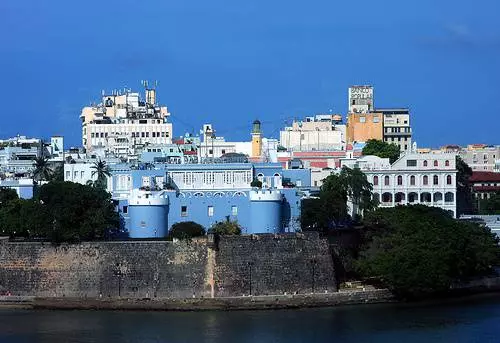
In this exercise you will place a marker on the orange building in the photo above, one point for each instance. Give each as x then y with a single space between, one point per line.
364 126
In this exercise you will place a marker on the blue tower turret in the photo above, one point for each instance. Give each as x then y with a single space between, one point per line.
148 211
265 211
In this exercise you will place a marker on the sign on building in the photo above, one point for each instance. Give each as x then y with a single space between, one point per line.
360 99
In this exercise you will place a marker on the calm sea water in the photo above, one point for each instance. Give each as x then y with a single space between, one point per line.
465 320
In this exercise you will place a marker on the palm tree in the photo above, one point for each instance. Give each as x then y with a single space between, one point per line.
103 172
42 170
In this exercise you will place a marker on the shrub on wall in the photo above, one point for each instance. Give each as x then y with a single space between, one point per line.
227 227
186 230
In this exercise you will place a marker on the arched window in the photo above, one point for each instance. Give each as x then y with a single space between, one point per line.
375 180
400 180
435 163
448 179
435 180
386 180
446 163
425 180
425 163
412 180
448 197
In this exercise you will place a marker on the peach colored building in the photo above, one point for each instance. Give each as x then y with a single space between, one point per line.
364 126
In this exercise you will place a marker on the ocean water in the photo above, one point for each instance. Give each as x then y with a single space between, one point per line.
474 319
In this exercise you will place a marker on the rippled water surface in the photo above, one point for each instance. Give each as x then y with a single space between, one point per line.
466 320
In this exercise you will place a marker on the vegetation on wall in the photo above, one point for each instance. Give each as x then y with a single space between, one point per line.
418 251
381 149
227 227
186 230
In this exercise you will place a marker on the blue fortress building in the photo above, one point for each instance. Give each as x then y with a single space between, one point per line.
152 197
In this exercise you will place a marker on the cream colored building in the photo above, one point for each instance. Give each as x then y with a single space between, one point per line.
123 124
428 179
321 132
397 128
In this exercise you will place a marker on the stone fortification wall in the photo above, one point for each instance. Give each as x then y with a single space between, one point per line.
107 269
139 269
273 264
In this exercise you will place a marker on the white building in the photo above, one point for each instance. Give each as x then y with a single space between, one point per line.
428 179
123 124
213 146
321 132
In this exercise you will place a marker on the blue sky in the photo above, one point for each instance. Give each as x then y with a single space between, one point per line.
229 62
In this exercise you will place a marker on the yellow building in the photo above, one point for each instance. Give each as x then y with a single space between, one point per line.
256 139
364 126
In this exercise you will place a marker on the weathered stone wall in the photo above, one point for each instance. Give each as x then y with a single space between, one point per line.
139 269
273 264
110 269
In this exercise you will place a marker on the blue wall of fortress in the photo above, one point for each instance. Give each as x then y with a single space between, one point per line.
203 267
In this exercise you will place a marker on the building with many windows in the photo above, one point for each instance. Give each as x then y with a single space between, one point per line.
123 124
481 157
397 128
150 197
323 132
428 179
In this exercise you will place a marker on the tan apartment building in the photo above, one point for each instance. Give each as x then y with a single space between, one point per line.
364 126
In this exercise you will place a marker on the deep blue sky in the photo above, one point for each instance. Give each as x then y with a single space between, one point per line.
228 62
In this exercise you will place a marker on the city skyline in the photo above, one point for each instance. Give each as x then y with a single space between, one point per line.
275 62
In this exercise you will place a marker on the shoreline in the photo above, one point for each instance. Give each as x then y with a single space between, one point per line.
267 302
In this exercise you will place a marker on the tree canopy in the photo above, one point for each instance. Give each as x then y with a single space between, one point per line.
227 227
464 193
382 149
42 171
331 207
417 250
61 212
490 205
186 230
102 170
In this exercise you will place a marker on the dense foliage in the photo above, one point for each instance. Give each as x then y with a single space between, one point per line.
331 208
61 212
42 170
418 250
256 183
490 205
186 230
464 192
227 227
381 149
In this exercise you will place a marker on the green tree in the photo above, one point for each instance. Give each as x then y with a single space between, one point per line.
381 149
227 227
76 212
331 207
102 170
418 251
58 174
464 193
42 171
256 183
6 195
491 205
186 230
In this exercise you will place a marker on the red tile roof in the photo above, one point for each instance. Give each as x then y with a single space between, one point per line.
480 176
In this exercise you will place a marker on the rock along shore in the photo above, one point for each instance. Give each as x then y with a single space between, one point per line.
268 302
